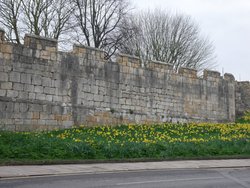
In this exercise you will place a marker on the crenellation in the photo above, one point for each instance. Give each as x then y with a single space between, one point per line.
160 66
88 52
128 60
213 75
229 77
188 72
40 43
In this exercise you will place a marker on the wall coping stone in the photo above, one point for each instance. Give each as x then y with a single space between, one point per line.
41 38
87 47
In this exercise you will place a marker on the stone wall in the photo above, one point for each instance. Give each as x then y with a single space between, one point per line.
42 88
242 98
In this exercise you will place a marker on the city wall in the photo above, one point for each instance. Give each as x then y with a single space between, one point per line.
42 88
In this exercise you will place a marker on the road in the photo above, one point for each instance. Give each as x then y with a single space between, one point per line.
184 178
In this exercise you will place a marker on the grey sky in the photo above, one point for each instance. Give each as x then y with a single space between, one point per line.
225 22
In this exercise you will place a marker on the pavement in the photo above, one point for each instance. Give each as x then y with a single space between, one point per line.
8 172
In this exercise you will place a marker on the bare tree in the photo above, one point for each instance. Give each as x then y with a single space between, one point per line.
47 18
174 39
100 22
9 18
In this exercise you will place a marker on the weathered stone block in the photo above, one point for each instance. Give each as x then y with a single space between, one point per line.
3 93
38 89
3 76
23 107
9 107
46 82
36 108
23 95
49 98
7 48
57 98
27 52
26 78
15 77
18 87
6 85
36 79
48 90
12 93
29 88
40 96
32 96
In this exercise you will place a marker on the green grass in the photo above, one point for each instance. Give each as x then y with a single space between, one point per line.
126 142
245 118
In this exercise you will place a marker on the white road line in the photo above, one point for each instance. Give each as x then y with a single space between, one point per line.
172 180
228 176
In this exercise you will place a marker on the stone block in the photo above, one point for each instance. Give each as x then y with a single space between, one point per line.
7 56
6 85
29 88
36 79
36 108
23 107
16 108
27 52
98 98
46 82
38 89
9 107
12 93
56 110
3 93
23 94
40 96
18 87
94 89
3 77
26 78
49 98
15 77
45 55
49 90
53 56
51 122
67 124
7 48
32 96
57 98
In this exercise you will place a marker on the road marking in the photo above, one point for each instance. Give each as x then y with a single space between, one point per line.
172 180
228 176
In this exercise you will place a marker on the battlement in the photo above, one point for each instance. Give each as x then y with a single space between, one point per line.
43 88
160 66
40 43
46 48
128 60
188 72
229 77
244 83
88 52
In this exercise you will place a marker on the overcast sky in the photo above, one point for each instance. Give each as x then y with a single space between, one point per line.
225 22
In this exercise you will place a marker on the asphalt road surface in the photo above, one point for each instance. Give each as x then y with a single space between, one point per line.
185 178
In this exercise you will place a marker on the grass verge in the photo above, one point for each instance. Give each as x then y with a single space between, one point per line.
126 143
